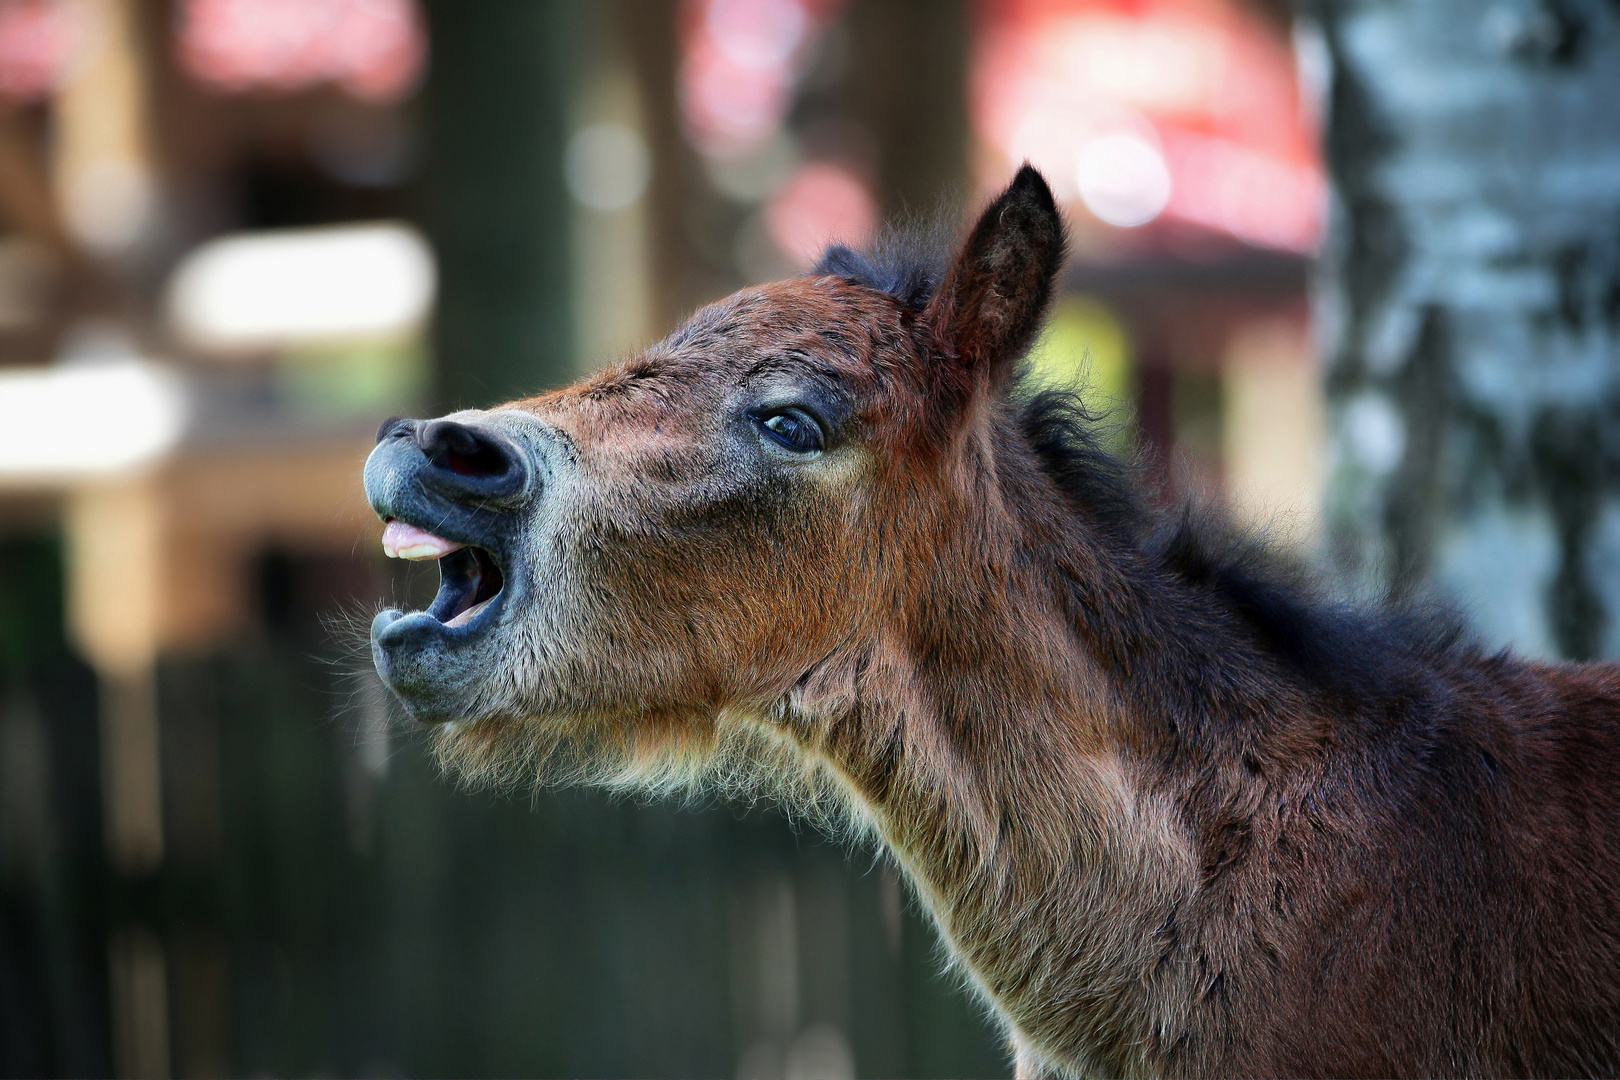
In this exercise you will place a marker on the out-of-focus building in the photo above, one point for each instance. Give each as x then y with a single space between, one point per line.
1183 140
237 234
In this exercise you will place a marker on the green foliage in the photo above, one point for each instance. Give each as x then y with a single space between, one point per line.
1085 345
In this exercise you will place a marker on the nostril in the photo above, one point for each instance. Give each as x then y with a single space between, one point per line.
461 450
396 427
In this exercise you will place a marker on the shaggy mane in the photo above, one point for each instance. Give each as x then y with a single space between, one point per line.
1351 651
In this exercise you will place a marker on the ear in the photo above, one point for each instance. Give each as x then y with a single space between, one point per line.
993 299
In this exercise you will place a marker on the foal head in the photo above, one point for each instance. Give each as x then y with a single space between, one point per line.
637 564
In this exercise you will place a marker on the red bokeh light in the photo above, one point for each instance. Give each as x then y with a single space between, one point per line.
1202 83
820 204
374 49
35 36
739 63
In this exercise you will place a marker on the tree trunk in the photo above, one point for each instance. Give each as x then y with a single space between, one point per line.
1469 305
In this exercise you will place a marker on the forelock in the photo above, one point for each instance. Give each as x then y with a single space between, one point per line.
907 265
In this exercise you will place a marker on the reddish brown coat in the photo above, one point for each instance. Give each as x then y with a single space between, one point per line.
1174 813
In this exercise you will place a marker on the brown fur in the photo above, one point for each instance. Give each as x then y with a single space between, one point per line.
1173 814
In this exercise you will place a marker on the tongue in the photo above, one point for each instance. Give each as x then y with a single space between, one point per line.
402 541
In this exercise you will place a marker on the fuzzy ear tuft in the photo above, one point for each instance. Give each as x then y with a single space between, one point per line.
840 260
993 300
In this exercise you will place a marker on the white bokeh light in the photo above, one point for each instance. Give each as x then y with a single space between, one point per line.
82 421
1123 179
264 290
607 166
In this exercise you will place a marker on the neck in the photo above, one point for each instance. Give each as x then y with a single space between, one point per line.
995 765
1065 735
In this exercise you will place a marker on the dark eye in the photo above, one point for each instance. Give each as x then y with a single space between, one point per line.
792 430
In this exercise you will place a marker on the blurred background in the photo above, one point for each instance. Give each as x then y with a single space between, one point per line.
1353 266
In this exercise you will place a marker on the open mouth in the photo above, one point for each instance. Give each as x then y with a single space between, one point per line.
469 578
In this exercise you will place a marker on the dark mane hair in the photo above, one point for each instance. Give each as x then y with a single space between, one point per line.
1350 651
1361 652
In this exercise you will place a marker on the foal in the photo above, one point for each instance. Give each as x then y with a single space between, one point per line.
1173 814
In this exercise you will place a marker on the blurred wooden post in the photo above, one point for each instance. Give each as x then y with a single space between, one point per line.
101 153
680 276
104 189
908 87
1271 430
610 256
139 996
497 208
114 549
